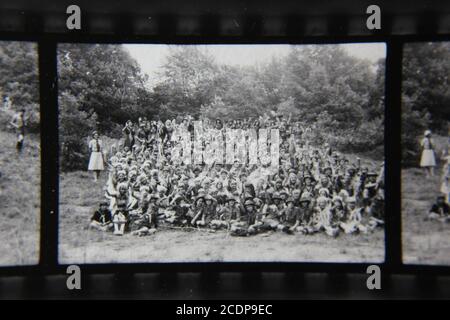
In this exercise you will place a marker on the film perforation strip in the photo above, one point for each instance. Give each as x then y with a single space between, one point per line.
153 24
428 25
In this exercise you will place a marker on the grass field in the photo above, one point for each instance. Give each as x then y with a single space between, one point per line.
20 201
424 242
80 195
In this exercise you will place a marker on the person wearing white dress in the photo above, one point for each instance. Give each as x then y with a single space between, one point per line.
427 159
96 160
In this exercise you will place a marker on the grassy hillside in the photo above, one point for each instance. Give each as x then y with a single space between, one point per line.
20 183
424 242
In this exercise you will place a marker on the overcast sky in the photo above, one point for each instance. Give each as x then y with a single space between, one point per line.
152 56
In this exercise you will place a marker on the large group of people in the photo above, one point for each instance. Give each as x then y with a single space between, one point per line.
312 189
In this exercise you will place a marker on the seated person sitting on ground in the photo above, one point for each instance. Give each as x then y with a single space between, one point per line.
440 210
102 220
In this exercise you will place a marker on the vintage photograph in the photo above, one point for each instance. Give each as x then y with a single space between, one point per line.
221 153
20 167
425 153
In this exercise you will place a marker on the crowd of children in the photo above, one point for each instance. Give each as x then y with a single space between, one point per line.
314 189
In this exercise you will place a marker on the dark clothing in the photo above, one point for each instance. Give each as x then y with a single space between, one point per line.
305 215
442 210
146 220
102 217
248 217
291 216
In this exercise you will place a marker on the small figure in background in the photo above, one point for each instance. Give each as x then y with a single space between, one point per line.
7 103
428 160
18 122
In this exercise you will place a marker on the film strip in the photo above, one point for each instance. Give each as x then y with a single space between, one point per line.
295 22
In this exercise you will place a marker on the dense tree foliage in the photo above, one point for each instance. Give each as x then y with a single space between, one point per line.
324 87
425 94
19 79
99 87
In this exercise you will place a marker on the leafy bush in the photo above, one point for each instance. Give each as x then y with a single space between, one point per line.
340 97
19 80
426 95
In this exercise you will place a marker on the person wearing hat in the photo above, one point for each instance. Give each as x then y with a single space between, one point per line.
96 163
353 223
248 222
284 195
231 212
273 212
324 183
324 192
210 212
308 181
338 210
290 219
306 214
102 219
439 210
198 210
427 159
328 172
146 223
225 214
324 219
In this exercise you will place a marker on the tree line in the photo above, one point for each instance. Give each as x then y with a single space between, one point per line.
425 95
340 96
19 81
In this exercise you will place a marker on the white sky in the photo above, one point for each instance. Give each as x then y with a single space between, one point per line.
152 56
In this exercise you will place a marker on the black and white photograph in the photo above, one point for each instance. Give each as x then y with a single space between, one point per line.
221 153
425 153
20 166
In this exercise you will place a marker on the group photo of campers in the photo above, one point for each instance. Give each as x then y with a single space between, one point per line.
221 152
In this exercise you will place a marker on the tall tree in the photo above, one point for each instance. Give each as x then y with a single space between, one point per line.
19 78
425 94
